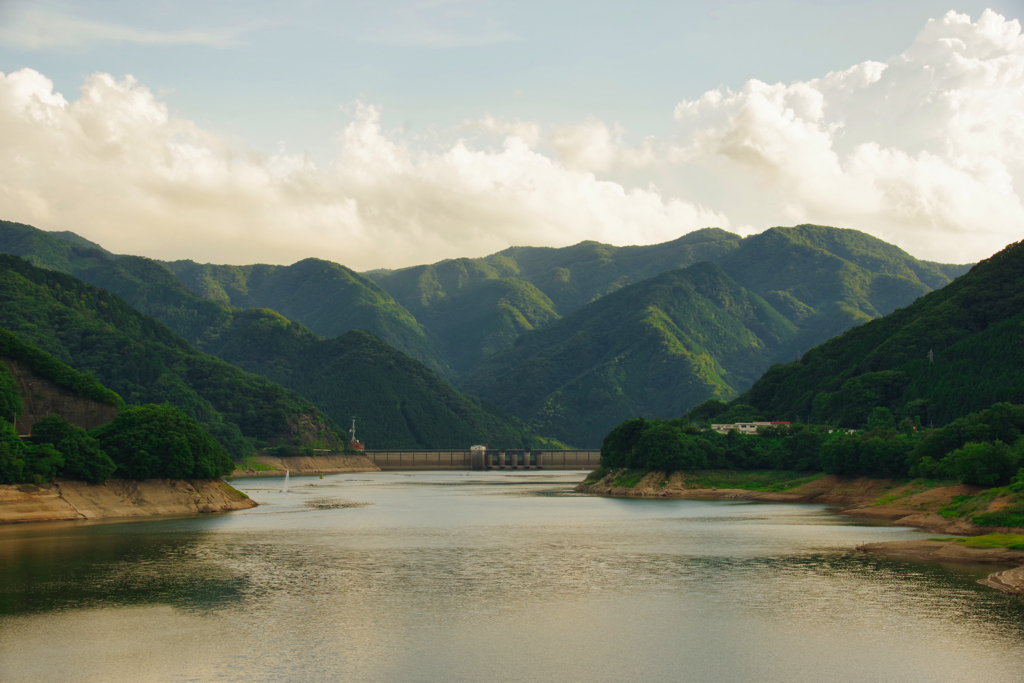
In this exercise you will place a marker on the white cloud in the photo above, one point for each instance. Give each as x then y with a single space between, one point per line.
592 146
36 28
116 167
527 131
926 151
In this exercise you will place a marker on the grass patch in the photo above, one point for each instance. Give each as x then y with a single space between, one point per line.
962 506
752 480
596 476
1011 515
629 478
915 487
1011 541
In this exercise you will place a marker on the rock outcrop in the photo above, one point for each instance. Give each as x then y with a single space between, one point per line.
41 396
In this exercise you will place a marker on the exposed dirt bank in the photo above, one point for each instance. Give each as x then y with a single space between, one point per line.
72 500
301 465
904 504
1009 581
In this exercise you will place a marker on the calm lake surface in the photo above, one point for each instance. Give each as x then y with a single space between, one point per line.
395 577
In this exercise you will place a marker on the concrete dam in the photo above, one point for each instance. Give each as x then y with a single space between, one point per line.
480 459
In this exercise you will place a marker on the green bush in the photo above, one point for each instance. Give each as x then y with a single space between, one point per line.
984 464
155 442
83 459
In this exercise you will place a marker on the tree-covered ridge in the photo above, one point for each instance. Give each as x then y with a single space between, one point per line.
569 276
399 402
326 297
54 370
827 280
423 410
984 448
653 348
954 351
139 358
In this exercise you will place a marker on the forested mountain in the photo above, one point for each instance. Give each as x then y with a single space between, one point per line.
826 280
326 297
96 332
569 276
398 401
954 351
401 402
655 348
496 324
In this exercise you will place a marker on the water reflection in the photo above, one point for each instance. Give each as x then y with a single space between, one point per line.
432 577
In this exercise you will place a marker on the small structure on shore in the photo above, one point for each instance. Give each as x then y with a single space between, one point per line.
746 427
354 444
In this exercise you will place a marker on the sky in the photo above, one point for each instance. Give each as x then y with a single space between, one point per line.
393 133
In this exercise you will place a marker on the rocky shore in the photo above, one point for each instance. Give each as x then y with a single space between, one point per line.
903 504
76 500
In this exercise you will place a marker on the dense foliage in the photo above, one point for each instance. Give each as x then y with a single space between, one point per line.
326 297
97 333
398 401
653 348
51 368
954 351
10 398
984 448
82 457
161 442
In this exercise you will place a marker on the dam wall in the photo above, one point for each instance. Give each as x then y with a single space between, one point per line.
497 459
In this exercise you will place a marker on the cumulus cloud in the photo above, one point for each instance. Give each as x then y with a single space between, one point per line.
36 28
592 146
926 150
116 167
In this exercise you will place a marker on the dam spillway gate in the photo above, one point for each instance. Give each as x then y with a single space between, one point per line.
490 459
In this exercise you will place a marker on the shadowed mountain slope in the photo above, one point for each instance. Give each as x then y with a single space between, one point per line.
326 297
652 349
96 332
973 328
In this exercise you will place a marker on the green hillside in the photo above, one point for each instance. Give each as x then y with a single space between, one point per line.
326 297
401 402
569 276
973 328
143 361
398 401
827 280
651 349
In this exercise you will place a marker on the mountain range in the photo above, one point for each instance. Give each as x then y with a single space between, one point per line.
568 342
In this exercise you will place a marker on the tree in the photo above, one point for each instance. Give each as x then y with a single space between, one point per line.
83 459
617 449
149 442
881 420
984 464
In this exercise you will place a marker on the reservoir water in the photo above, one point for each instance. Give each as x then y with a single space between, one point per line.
394 578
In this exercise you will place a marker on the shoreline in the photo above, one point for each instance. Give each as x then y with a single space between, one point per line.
897 503
303 465
64 501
